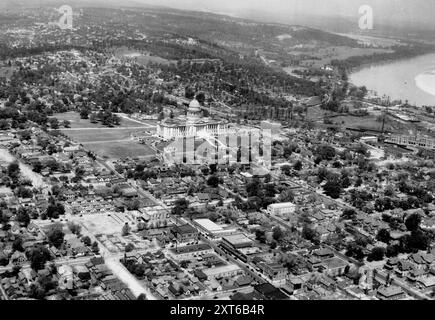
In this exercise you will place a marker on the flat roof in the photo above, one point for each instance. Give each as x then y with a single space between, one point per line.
281 205
390 291
333 263
192 248
187 228
208 225
222 269
239 238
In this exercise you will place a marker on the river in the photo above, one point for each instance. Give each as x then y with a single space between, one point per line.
410 79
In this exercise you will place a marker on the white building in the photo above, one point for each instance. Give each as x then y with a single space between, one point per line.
213 229
281 208
191 125
229 270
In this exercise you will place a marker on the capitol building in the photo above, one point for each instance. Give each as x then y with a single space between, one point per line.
191 125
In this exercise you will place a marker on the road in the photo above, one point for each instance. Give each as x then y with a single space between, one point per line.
5 296
113 263
107 128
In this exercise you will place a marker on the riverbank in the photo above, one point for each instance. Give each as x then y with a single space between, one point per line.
400 80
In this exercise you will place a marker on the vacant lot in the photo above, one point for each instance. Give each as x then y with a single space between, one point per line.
118 150
105 224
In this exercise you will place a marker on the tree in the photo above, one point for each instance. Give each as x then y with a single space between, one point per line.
4 260
17 245
286 196
84 114
377 254
13 170
86 240
66 123
349 214
23 216
325 152
23 192
213 181
413 222
55 235
55 210
74 228
392 251
129 247
355 251
38 256
310 234
277 233
4 124
95 247
93 118
54 123
126 229
260 235
332 188
180 207
142 296
384 236
298 165
37 167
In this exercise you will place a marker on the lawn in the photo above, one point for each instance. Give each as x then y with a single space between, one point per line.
119 150
6 72
77 122
100 134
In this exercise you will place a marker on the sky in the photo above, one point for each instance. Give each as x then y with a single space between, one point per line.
418 11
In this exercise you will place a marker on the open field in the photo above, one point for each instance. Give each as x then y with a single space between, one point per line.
105 224
100 134
143 58
327 54
6 71
118 150
77 122
111 143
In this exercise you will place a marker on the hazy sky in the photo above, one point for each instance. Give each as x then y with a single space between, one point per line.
389 10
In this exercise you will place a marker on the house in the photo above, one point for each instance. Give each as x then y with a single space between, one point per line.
390 293
324 253
185 233
281 208
229 270
189 252
274 271
270 292
428 282
334 266
18 259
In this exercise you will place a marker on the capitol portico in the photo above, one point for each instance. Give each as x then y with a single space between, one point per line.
192 125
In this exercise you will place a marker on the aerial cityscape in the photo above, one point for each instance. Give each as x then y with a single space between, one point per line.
186 151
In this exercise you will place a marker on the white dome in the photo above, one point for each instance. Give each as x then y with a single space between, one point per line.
194 106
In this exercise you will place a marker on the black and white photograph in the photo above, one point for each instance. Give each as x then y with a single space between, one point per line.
214 157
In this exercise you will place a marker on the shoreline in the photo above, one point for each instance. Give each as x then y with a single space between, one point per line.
385 62
417 79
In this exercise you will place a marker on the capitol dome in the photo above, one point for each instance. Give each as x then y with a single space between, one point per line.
194 106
